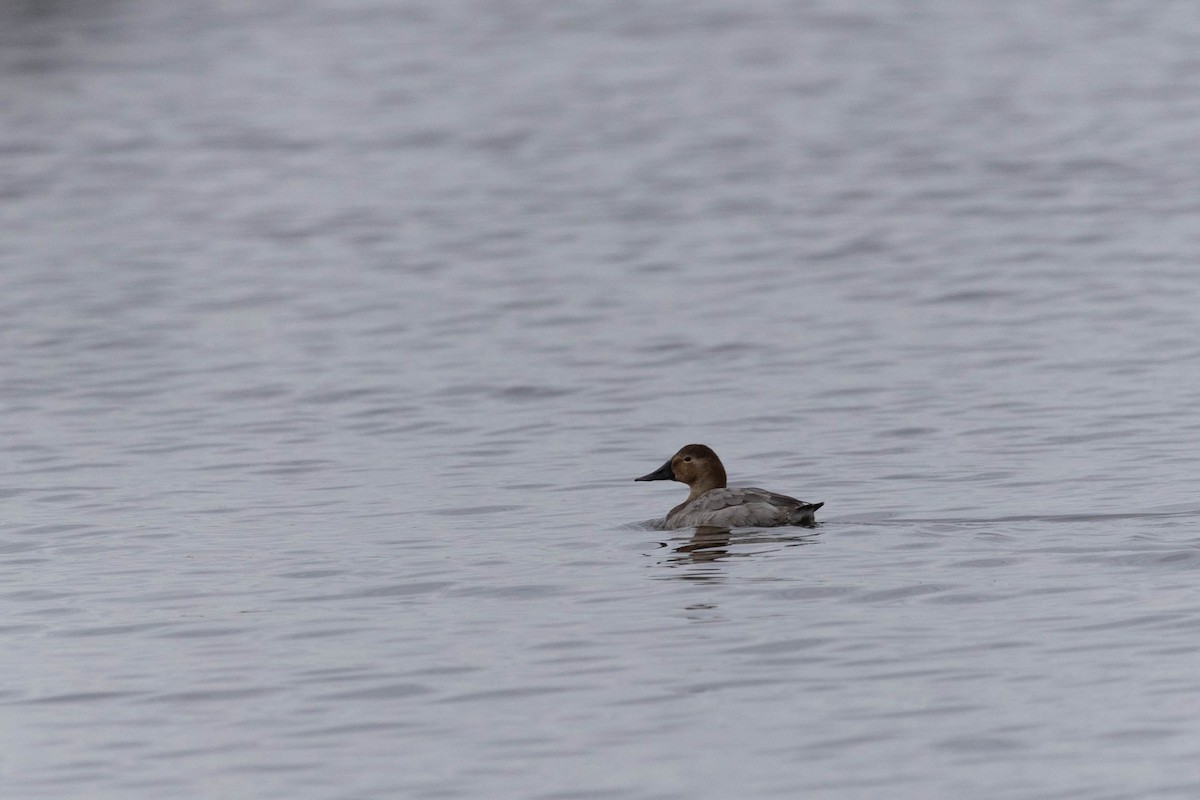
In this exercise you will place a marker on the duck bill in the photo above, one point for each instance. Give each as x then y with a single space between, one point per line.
663 473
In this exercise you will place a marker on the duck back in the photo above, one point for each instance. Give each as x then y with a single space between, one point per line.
747 507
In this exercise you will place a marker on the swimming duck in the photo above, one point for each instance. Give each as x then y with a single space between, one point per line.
710 503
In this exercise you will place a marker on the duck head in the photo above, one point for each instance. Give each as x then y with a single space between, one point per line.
696 465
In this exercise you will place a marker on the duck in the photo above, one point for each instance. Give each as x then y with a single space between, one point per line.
712 503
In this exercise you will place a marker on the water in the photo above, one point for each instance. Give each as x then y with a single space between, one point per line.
335 333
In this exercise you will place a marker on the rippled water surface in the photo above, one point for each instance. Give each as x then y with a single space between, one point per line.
334 333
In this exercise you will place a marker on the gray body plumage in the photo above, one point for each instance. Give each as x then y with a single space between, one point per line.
742 508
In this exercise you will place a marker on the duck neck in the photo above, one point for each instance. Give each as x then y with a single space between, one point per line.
714 480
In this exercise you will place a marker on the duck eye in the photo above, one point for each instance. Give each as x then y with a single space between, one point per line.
689 458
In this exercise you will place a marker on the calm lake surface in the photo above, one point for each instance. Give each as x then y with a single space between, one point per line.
333 334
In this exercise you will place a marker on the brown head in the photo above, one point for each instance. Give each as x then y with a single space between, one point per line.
696 465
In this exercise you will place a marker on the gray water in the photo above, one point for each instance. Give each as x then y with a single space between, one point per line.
334 333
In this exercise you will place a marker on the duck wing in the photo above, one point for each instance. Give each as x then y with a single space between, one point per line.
795 512
748 507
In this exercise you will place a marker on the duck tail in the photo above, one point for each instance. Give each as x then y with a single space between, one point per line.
805 515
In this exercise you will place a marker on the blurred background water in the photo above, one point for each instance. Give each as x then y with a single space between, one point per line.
332 335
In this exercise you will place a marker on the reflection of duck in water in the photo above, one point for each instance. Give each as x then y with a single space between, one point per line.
709 545
711 503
